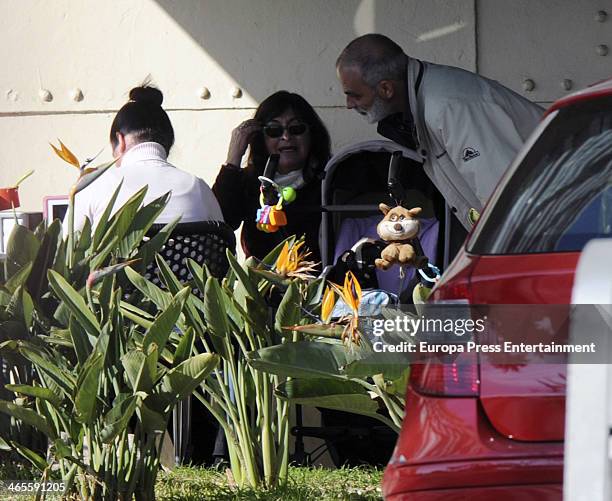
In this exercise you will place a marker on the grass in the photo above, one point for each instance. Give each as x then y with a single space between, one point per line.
304 484
193 483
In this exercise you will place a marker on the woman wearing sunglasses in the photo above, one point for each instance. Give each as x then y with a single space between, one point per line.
286 125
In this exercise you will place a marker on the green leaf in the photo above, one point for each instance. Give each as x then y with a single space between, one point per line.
21 307
5 298
4 446
174 285
289 313
303 359
324 330
144 219
37 460
249 286
148 250
122 220
151 291
132 363
101 227
398 386
36 392
87 388
139 317
19 278
147 374
272 277
314 293
62 449
43 363
27 416
392 365
64 291
100 259
85 240
61 263
182 380
215 308
185 347
198 274
37 281
85 180
153 421
345 396
22 246
159 332
116 420
80 341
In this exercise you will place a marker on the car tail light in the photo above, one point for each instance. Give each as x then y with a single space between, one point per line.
456 287
453 375
447 378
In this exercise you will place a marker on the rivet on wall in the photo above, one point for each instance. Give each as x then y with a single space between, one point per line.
204 93
236 92
602 50
45 95
567 84
76 94
601 16
12 95
528 85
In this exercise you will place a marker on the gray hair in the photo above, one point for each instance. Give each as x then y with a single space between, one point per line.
377 57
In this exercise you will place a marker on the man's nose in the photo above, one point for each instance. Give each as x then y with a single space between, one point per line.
350 103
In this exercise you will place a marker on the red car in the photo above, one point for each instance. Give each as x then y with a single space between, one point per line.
481 430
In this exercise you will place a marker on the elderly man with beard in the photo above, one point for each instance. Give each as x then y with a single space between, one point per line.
466 127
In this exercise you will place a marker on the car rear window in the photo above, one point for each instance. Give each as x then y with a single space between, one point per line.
560 197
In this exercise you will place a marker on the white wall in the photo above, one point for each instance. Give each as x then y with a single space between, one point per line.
106 47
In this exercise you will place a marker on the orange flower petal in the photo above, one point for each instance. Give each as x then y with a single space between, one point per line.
329 301
66 155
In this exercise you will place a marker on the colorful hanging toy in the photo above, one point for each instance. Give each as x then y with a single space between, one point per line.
270 217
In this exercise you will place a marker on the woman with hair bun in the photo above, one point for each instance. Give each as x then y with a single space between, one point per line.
141 137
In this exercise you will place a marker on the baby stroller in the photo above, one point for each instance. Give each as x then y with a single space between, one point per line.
357 179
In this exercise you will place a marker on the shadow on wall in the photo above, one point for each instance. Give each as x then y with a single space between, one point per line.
269 45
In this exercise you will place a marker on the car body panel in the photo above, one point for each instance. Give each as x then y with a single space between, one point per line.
507 443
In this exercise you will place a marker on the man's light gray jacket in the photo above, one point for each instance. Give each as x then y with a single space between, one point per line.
469 130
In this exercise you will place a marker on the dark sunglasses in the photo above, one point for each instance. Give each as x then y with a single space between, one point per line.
275 130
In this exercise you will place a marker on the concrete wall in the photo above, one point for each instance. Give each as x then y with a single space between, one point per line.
106 47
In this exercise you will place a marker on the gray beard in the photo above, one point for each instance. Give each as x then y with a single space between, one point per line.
379 110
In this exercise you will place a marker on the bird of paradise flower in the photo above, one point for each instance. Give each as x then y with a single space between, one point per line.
347 326
292 263
87 175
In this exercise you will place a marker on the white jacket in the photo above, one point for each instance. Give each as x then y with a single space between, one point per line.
469 129
142 165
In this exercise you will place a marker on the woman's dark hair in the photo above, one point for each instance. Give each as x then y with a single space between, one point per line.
143 117
320 143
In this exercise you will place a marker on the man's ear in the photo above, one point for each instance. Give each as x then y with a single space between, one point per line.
386 89
384 208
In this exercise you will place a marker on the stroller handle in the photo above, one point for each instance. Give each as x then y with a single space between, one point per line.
396 190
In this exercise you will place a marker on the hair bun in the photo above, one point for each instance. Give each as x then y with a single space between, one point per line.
147 94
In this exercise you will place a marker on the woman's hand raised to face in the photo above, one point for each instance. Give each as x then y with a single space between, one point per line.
241 136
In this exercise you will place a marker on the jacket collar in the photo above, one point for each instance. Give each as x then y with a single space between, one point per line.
144 151
401 127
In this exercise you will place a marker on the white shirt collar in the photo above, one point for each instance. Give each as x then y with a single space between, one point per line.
144 151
